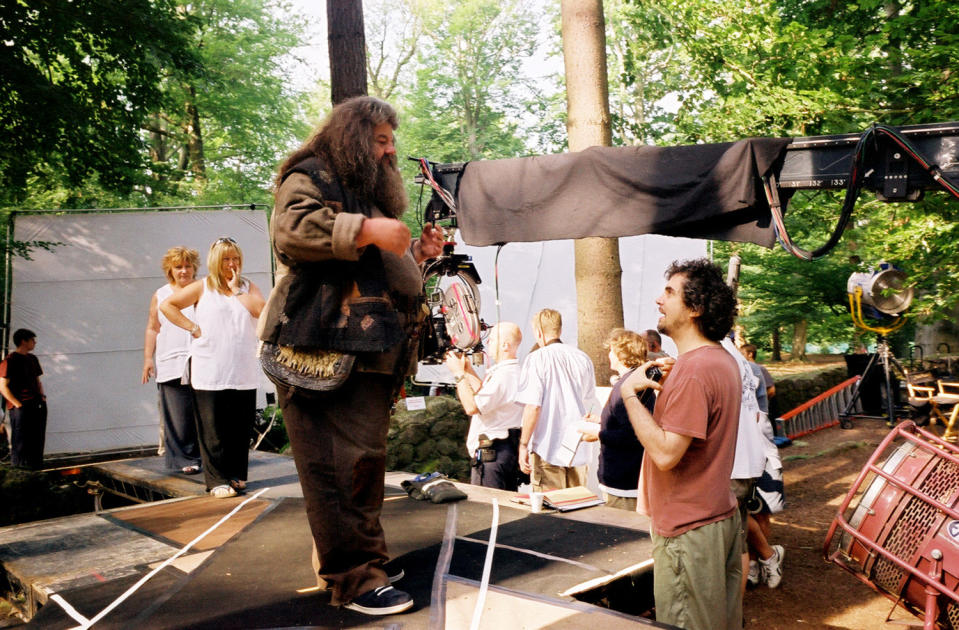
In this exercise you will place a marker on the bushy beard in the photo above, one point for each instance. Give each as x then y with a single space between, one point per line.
389 192
379 183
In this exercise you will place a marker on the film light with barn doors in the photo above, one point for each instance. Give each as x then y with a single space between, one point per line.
878 301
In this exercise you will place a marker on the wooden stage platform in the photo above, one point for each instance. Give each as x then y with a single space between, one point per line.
196 562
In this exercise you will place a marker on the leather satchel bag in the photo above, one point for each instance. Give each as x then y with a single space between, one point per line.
307 370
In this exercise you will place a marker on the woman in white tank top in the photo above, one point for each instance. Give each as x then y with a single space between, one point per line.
171 345
224 372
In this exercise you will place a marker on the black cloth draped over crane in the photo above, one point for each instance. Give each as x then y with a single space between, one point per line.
709 191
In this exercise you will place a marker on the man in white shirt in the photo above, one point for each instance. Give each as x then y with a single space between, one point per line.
750 459
493 439
558 388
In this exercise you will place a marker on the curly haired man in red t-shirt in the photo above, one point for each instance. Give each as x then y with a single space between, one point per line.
690 443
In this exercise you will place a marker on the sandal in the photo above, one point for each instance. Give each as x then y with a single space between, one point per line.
190 470
223 492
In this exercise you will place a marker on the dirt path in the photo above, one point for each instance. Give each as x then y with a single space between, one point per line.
819 470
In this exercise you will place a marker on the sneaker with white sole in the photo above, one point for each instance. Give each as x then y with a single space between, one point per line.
384 600
771 569
753 576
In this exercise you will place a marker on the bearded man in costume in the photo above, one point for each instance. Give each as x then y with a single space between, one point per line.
348 293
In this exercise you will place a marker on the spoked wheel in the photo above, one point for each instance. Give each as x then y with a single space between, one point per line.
455 298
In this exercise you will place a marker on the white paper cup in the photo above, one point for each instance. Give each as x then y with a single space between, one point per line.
536 502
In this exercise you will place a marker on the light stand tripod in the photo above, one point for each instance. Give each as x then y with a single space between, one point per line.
883 354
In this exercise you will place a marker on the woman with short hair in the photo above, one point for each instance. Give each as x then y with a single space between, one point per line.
620 454
171 345
224 372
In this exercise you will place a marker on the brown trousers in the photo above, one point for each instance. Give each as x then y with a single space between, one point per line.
620 503
339 446
545 476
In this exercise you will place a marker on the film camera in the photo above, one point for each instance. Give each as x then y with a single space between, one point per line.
452 297
450 281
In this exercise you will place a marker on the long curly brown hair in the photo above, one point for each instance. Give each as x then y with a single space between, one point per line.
345 142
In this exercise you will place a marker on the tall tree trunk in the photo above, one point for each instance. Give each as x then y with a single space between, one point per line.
347 47
158 145
195 138
599 293
799 340
777 345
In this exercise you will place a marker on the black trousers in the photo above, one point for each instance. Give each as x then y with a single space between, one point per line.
503 472
28 432
225 424
178 414
338 440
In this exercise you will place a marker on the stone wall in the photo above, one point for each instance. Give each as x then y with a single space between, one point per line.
430 440
795 389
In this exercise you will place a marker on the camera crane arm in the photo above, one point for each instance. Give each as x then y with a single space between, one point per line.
697 191
898 164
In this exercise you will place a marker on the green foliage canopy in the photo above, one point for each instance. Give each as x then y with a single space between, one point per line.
229 126
78 79
705 71
146 102
456 75
465 102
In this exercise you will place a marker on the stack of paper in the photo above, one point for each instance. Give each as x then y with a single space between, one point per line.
571 499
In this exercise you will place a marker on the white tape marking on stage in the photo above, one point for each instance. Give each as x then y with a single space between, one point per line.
545 556
602 581
70 610
438 592
487 566
133 589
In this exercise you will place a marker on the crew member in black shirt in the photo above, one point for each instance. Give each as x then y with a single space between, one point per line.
21 387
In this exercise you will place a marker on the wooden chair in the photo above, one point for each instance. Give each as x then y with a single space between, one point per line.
939 396
949 391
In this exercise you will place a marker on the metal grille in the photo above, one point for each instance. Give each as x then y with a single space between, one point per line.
914 524
951 618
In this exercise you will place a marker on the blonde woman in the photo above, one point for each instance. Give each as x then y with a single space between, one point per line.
171 345
224 372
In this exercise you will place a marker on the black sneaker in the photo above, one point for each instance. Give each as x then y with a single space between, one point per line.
384 600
